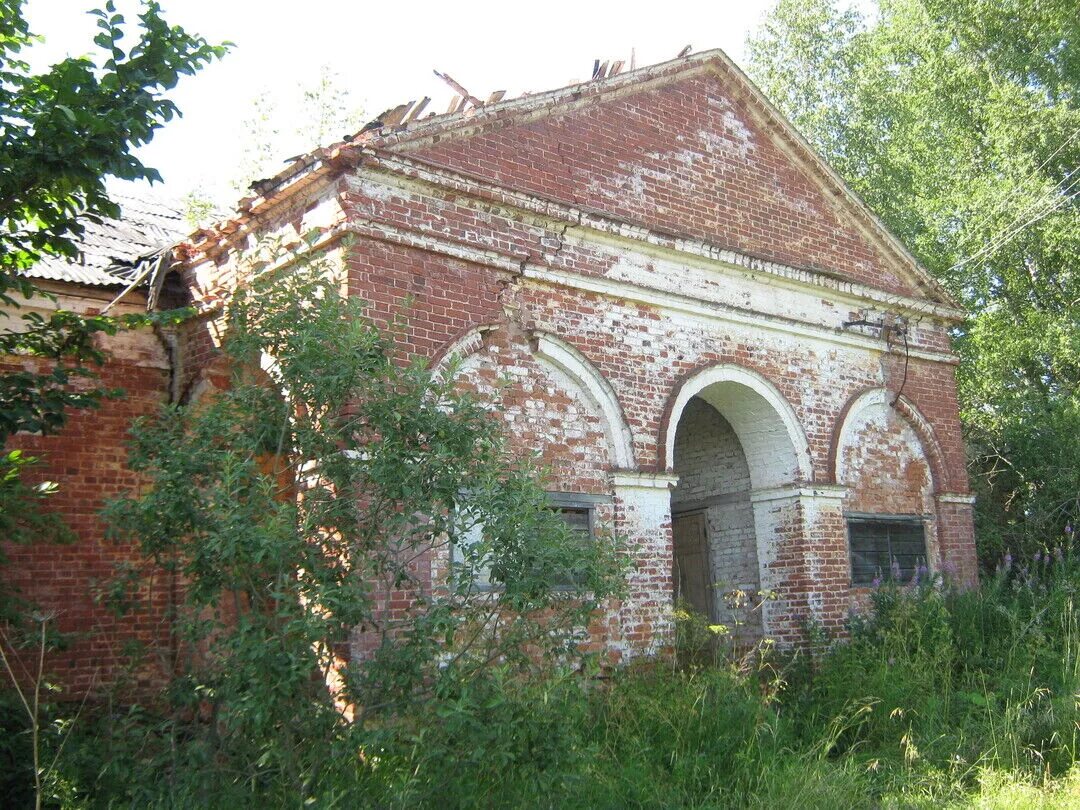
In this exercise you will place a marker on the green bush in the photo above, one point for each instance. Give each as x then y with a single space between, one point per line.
939 697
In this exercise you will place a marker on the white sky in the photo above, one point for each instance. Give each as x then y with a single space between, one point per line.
386 51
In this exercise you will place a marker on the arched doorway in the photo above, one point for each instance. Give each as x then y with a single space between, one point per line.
734 443
715 547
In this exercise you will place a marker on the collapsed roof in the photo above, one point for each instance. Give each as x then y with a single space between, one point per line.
115 252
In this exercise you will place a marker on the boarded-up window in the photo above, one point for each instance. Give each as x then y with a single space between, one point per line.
576 517
885 548
576 510
580 519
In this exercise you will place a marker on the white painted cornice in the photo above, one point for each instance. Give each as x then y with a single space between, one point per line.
625 291
643 480
397 170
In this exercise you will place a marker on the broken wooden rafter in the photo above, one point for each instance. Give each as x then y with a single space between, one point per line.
465 94
395 115
419 108
606 69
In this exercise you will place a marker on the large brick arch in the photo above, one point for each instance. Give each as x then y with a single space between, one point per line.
932 451
772 436
557 352
558 355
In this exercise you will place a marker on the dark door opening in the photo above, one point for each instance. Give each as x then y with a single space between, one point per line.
691 570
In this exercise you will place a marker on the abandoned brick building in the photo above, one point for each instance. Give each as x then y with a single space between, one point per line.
711 341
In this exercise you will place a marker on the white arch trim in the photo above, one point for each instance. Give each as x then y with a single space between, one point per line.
597 389
802 469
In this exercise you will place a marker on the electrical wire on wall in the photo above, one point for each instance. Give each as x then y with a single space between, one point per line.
889 324
907 359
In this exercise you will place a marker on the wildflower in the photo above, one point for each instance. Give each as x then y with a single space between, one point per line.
894 569
876 582
1038 556
1008 560
1059 554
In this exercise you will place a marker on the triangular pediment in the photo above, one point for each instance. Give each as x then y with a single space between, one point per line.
689 148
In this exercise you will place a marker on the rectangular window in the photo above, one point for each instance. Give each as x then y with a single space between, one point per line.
883 546
576 509
578 517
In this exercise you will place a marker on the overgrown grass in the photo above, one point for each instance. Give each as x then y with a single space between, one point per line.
938 698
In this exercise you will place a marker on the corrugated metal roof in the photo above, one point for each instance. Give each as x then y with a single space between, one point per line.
109 251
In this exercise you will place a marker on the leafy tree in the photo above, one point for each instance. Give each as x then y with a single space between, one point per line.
62 133
325 480
66 130
959 123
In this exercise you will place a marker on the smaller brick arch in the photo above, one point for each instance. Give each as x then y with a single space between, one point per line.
560 355
935 458
768 429
466 342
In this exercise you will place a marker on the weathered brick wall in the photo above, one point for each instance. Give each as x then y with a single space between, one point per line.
955 530
645 351
439 299
546 413
688 158
549 418
88 461
882 463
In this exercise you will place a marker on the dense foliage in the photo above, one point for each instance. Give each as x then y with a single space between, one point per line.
63 133
959 123
942 698
67 130
300 504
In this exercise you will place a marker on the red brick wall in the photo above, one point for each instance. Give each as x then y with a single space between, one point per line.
883 464
437 297
88 461
686 158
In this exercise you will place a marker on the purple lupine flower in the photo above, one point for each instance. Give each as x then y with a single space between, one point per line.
876 582
1068 529
1008 560
949 569
894 569
1038 556
1059 553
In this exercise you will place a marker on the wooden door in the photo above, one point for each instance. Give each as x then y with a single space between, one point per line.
692 576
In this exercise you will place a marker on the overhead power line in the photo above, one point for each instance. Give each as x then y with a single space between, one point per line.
1060 196
1004 203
